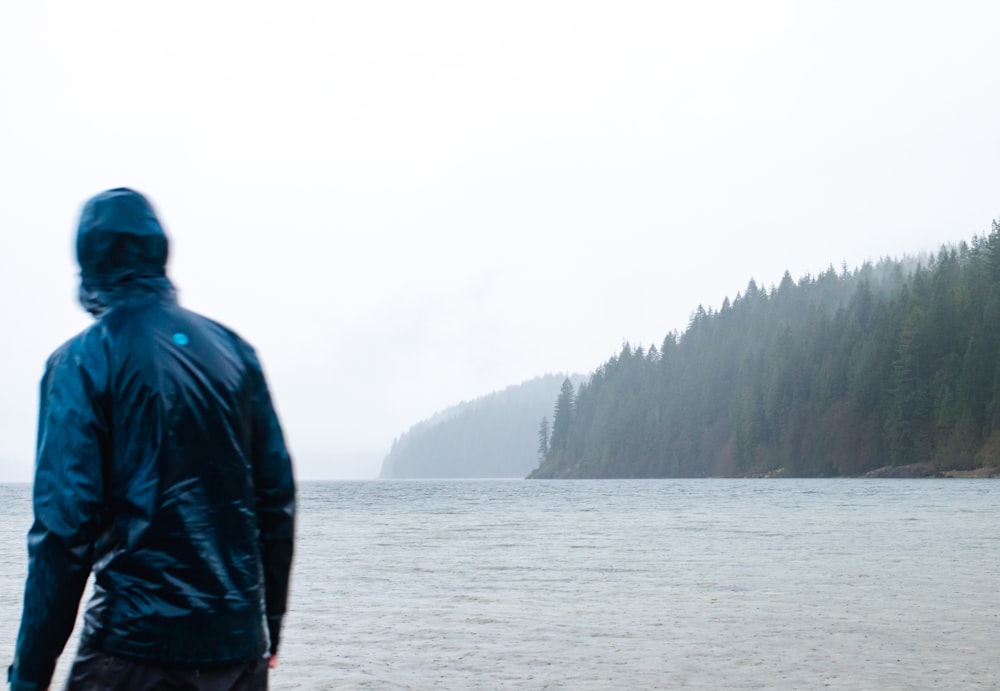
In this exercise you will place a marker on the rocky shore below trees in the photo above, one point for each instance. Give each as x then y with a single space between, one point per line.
921 470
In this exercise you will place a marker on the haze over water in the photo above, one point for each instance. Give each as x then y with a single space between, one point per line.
704 584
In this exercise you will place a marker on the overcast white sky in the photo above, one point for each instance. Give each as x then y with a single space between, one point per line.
404 205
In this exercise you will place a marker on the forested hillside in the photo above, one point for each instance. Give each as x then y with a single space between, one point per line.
837 374
492 436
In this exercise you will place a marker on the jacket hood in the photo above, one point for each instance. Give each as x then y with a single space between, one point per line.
122 250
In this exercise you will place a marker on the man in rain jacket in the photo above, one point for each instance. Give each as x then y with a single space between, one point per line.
160 467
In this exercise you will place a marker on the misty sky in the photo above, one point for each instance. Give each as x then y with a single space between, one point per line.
404 205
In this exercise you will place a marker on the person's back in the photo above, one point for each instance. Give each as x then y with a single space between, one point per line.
161 465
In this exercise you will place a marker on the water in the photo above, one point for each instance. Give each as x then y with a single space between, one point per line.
701 584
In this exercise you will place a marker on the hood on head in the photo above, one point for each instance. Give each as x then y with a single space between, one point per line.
121 248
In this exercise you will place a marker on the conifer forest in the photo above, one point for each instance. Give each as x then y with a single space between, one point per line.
889 364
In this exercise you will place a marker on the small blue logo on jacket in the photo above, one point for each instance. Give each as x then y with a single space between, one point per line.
180 339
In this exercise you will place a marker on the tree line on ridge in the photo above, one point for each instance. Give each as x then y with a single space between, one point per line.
889 364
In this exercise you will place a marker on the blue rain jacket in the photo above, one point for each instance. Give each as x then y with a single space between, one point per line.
160 467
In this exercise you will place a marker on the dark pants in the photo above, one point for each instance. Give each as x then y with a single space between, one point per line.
94 670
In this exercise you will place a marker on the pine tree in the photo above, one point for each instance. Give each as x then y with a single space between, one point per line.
562 418
543 439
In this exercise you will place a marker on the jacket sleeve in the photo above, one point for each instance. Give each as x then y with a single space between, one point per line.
67 498
275 503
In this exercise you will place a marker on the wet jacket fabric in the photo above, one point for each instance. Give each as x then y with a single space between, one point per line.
160 467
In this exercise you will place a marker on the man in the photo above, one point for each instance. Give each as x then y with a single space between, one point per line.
160 467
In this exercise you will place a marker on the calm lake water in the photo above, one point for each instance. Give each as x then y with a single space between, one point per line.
664 584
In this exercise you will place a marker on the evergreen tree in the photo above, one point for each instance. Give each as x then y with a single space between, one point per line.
562 418
543 439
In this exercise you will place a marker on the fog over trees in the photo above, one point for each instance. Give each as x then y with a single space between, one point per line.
493 436
891 363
